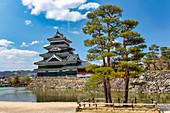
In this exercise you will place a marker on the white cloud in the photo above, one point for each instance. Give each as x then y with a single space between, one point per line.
17 54
28 22
2 48
24 44
34 42
56 9
16 59
74 32
90 5
55 27
5 43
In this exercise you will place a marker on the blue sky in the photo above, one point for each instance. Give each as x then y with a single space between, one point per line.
25 26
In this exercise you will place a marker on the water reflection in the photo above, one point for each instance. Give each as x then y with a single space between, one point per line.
16 94
55 95
71 95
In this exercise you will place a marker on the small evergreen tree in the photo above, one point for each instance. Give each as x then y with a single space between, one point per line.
165 56
147 61
153 54
15 79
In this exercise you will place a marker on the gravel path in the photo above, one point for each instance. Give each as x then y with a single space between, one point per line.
30 107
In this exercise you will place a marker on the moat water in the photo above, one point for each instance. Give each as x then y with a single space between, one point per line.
69 95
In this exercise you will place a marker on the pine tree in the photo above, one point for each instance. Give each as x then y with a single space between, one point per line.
147 61
121 59
103 25
153 54
165 56
130 54
94 28
110 20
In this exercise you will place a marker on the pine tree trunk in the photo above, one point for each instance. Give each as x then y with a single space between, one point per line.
126 79
109 91
161 66
108 61
105 84
126 90
105 91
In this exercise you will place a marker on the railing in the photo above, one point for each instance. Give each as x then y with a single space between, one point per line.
131 100
97 104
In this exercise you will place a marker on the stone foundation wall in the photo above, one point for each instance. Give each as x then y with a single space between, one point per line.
155 82
57 82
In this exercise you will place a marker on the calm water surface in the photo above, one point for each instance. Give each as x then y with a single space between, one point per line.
70 95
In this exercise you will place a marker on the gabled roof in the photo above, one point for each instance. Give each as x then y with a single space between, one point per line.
47 55
55 49
54 56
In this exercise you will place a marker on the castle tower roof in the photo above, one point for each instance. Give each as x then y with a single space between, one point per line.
58 37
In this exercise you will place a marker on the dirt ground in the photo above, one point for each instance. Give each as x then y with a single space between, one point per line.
50 107
30 107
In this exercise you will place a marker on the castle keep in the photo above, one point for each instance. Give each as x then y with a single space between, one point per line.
60 59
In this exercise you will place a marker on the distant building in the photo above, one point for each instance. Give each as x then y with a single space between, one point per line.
60 59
